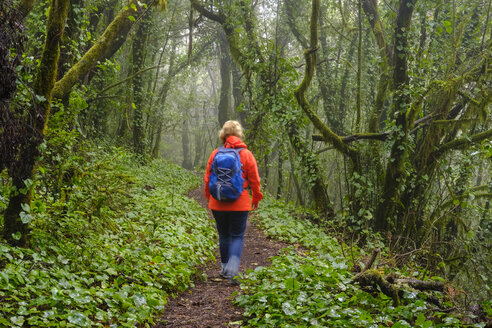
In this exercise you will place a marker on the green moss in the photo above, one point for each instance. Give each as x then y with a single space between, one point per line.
442 97
373 277
43 86
112 37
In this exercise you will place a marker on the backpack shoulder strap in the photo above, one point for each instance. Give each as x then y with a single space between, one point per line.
238 151
242 166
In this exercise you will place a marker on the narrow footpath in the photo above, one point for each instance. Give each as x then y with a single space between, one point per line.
208 304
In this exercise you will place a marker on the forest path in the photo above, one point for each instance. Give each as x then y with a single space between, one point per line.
208 304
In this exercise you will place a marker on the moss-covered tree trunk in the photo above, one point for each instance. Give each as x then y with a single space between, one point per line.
309 162
319 187
15 227
139 47
72 32
373 156
371 11
200 141
404 117
25 6
440 137
327 134
106 45
344 96
359 70
334 116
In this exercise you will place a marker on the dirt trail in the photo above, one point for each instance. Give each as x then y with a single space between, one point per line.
208 304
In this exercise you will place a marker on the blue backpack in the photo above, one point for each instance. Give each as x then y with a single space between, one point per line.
226 178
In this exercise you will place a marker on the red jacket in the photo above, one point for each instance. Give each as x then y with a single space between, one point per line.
250 175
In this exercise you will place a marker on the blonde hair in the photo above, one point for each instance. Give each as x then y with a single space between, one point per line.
231 128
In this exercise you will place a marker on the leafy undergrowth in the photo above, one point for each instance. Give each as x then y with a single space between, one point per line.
108 251
311 285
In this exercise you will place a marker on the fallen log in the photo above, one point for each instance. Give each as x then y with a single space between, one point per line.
393 285
372 278
422 285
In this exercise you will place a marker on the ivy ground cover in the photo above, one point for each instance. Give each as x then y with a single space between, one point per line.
111 252
309 285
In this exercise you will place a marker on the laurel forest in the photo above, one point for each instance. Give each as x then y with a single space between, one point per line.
370 122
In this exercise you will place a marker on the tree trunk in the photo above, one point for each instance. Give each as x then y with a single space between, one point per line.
404 116
25 6
359 69
334 117
371 11
280 171
10 38
110 41
123 124
185 142
374 154
15 228
297 186
237 93
224 107
200 147
72 32
309 162
157 143
345 78
139 54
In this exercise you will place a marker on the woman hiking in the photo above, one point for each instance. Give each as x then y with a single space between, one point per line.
231 208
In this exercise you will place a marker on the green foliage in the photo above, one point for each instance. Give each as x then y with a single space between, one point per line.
280 222
311 286
122 240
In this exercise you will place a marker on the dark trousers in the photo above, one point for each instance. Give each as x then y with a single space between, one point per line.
231 226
